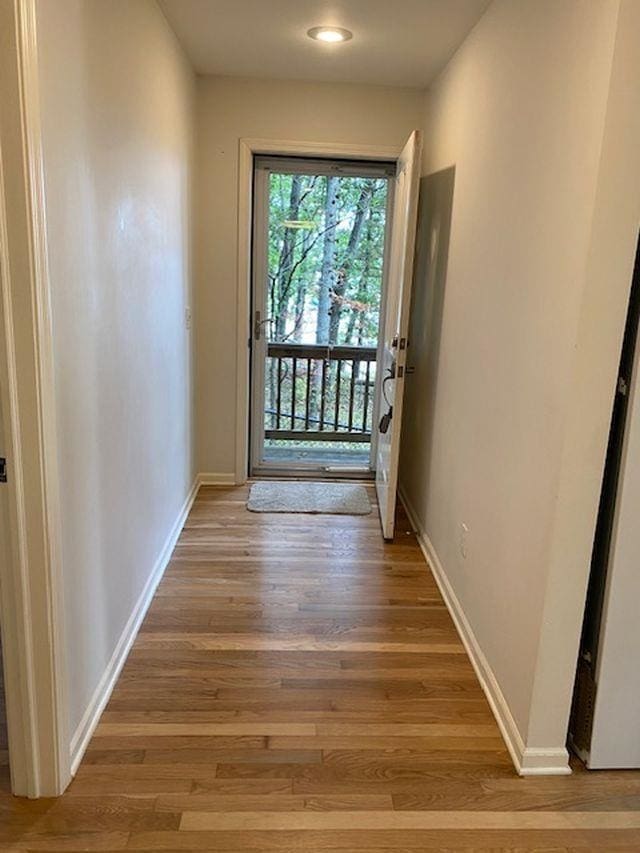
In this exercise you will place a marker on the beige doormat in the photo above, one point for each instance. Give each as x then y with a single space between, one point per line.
330 498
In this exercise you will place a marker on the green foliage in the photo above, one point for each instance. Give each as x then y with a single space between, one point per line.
315 250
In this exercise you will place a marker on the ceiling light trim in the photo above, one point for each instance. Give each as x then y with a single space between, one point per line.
330 35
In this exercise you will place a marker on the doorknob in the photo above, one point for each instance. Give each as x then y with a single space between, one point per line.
258 324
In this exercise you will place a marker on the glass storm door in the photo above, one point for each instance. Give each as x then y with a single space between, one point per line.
319 263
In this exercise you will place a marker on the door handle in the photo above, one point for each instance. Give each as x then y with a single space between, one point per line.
258 324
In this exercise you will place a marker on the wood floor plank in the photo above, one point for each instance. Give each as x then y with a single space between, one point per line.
400 820
298 685
270 803
398 841
136 730
388 743
223 642
406 730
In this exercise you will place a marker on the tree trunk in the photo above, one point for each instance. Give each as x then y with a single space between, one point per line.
327 271
340 285
358 316
285 266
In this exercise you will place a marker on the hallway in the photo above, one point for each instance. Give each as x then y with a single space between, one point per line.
299 685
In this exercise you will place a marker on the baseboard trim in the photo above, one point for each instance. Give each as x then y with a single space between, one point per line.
91 716
212 479
528 761
544 762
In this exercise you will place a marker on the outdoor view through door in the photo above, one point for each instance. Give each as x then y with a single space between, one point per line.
319 262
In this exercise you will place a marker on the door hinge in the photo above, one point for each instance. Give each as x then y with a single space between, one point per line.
3 470
623 388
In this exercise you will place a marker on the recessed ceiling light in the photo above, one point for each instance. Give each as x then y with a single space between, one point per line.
331 35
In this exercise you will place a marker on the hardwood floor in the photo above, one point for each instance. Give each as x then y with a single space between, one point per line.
298 685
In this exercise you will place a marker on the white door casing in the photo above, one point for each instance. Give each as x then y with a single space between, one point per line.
31 607
248 149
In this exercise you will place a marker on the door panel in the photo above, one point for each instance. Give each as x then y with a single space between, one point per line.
395 327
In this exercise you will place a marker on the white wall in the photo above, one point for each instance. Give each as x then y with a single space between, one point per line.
522 112
608 269
227 110
116 97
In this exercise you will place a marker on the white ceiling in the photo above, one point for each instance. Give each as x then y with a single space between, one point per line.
395 42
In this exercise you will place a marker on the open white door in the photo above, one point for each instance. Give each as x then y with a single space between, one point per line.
395 327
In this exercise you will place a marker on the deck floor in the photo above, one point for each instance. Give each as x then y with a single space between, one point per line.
298 685
329 455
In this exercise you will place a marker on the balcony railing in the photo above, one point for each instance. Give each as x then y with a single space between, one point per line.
319 393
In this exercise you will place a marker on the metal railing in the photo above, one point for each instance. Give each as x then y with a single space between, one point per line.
319 393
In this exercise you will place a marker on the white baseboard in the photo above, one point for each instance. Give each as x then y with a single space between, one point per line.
528 761
91 716
207 478
544 762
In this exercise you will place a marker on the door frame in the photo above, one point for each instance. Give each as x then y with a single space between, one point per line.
31 607
258 467
248 149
